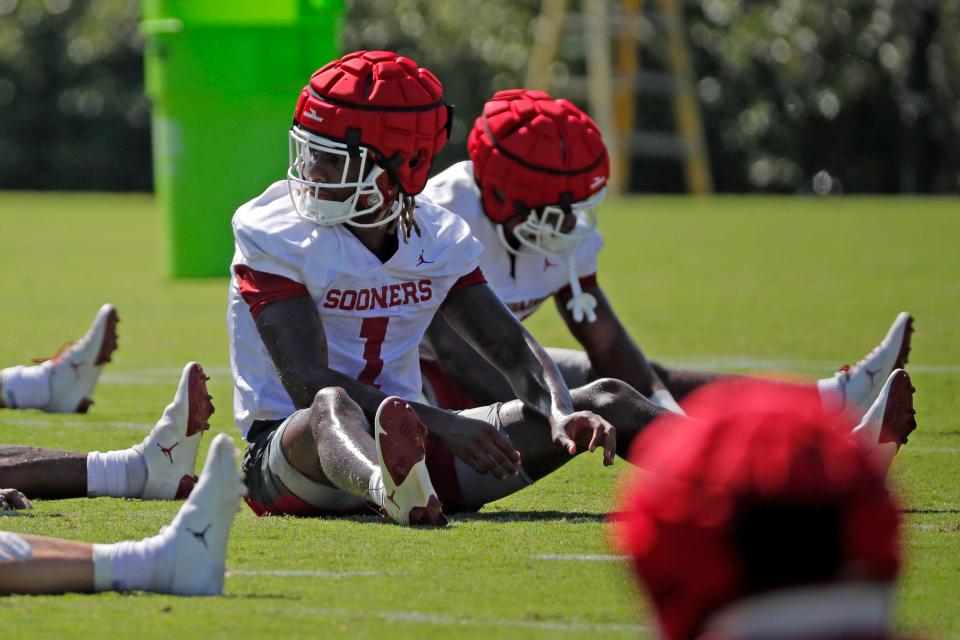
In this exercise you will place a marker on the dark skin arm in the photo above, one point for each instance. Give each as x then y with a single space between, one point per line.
481 318
612 352
293 334
461 363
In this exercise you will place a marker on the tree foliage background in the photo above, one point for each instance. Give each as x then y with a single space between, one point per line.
864 94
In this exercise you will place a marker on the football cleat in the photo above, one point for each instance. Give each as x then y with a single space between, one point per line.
854 389
401 439
890 420
170 449
75 371
201 528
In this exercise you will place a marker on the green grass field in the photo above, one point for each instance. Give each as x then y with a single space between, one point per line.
738 284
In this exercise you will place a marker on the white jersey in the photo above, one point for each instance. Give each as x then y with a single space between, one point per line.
524 281
374 314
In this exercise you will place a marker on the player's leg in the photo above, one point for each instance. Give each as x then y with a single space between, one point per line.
889 421
681 382
44 473
37 565
852 389
160 467
65 383
324 461
619 403
186 557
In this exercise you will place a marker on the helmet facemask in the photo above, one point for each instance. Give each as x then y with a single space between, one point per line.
542 231
307 194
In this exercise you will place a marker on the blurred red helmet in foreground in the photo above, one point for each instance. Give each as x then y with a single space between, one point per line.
762 492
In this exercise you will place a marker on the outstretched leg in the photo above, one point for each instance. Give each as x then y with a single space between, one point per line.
186 557
64 383
619 403
160 467
325 461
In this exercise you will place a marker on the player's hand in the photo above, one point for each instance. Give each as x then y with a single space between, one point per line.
586 426
11 499
481 446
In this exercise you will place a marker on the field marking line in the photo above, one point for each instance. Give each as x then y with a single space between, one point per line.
422 617
317 573
40 422
580 557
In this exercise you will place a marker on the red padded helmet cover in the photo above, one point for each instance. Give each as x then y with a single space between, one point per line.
756 442
396 106
528 149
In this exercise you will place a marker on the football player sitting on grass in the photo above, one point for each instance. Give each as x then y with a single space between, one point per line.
761 520
185 558
537 172
337 272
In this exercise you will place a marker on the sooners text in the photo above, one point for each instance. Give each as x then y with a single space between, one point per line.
392 295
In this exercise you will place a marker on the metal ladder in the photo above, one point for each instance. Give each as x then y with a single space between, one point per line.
611 99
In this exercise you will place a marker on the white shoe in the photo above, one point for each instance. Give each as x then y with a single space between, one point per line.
170 449
401 438
202 526
854 389
74 373
890 420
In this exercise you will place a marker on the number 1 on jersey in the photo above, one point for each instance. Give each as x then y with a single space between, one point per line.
373 331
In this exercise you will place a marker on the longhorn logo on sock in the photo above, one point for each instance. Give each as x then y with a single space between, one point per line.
201 535
168 451
873 375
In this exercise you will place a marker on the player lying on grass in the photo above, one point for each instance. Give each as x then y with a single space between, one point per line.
336 275
161 467
537 172
64 383
760 520
185 558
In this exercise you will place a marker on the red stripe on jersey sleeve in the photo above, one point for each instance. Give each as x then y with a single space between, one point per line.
566 292
259 288
473 278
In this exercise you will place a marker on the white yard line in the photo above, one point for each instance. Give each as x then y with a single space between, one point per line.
41 422
313 573
575 557
438 619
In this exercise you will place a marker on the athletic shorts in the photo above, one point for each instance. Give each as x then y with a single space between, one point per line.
275 487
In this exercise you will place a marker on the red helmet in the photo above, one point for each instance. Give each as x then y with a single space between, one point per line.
530 150
762 492
367 100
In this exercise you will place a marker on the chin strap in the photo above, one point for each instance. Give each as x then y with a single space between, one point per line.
581 305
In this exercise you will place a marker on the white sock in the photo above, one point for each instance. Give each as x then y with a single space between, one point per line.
26 387
146 565
116 474
831 395
375 488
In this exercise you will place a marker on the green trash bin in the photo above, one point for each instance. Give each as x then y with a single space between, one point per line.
224 79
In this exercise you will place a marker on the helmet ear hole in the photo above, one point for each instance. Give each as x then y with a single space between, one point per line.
499 195
414 162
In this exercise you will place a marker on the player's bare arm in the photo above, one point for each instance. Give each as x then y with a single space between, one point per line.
493 331
467 368
293 334
611 350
